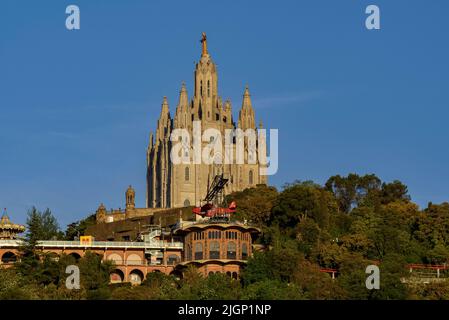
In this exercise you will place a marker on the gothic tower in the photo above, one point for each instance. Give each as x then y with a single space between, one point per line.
176 185
158 161
130 198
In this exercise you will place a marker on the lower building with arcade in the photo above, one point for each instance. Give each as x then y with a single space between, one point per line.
216 246
206 237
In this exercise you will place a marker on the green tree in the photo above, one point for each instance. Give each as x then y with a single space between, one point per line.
303 200
94 273
432 224
308 235
352 276
329 255
351 190
223 287
394 191
272 290
78 228
278 264
161 286
431 291
42 226
438 255
193 286
9 280
254 204
315 284
392 271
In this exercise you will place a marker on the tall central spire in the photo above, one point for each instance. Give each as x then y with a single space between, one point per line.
176 185
204 43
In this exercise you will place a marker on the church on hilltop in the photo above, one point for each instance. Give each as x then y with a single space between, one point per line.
172 185
168 235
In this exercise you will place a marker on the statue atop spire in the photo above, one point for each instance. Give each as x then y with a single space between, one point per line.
204 42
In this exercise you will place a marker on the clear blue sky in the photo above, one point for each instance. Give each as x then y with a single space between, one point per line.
76 107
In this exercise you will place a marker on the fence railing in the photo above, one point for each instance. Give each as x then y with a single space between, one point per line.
10 243
112 244
145 263
159 244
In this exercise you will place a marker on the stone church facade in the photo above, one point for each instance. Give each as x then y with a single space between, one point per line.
179 185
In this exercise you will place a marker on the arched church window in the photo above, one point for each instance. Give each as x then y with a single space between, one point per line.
244 251
208 88
250 176
187 174
214 250
189 253
231 254
186 203
198 251
172 259
9 257
201 88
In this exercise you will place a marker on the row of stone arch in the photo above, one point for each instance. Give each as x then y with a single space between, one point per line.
12 257
214 251
136 260
132 259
